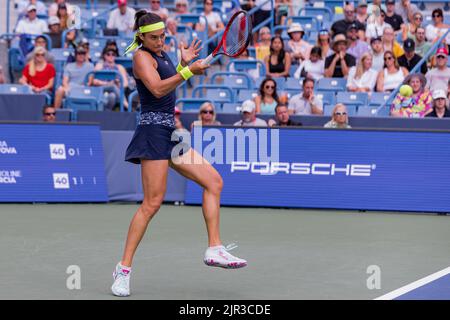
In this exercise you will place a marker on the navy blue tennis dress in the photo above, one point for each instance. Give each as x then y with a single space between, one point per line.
152 138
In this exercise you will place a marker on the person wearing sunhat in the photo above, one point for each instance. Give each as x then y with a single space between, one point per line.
31 24
410 59
438 76
300 49
338 64
440 105
417 105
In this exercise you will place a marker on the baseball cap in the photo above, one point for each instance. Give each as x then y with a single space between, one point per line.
121 2
441 52
31 7
353 26
438 94
390 1
409 45
362 3
53 20
375 39
80 49
248 106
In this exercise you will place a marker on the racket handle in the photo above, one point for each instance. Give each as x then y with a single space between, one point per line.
207 59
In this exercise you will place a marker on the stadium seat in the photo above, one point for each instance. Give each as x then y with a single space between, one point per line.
216 93
358 98
231 108
373 111
378 98
327 97
108 75
191 104
322 14
246 95
233 80
245 65
84 98
309 23
293 84
331 84
14 88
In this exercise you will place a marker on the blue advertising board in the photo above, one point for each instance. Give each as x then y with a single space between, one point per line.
51 163
327 168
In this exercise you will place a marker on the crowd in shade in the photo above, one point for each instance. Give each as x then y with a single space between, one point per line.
373 45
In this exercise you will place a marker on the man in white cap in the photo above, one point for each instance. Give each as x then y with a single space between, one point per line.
439 105
300 49
22 6
54 26
31 24
121 18
248 114
437 78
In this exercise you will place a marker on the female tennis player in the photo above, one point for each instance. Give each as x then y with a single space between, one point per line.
151 146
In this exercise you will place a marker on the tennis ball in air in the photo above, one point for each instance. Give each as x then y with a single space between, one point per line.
406 90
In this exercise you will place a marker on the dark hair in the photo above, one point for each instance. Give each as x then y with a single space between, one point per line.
261 88
46 107
106 50
143 18
438 10
282 53
316 50
279 105
308 80
45 39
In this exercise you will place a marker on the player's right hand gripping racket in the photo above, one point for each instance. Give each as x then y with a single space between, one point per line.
235 38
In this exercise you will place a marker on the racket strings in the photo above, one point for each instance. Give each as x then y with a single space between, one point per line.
238 35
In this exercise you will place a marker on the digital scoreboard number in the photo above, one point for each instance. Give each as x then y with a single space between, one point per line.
51 163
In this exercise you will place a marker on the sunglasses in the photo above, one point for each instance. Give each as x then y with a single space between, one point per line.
388 58
39 54
110 54
418 18
340 113
207 111
437 16
50 113
181 5
324 33
441 57
269 87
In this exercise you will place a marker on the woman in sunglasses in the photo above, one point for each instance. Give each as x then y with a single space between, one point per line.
267 99
392 74
339 117
323 42
409 29
38 74
206 116
419 104
436 29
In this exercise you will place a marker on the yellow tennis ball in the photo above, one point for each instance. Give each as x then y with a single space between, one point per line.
406 90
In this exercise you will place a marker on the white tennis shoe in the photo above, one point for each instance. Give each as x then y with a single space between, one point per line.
121 285
220 257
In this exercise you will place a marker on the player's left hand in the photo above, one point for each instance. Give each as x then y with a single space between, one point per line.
190 53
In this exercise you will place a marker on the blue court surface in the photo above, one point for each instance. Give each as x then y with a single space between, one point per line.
433 287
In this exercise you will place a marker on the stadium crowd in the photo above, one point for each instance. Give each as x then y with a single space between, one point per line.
372 45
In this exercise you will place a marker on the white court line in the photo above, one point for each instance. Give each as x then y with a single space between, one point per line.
416 284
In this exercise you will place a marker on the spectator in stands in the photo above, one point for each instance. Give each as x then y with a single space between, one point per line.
111 88
253 73
278 63
31 24
299 48
283 9
313 68
155 7
54 32
374 6
410 59
339 118
338 64
409 29
267 99
48 114
22 7
362 78
2 76
38 74
282 117
437 29
377 51
355 46
306 103
85 44
71 39
181 7
361 11
74 74
376 28
178 123
395 20
213 19
440 105
112 44
437 78
422 45
262 46
121 18
248 116
323 42
53 9
392 74
341 26
64 17
206 116
389 43
416 106
406 10
262 14
41 41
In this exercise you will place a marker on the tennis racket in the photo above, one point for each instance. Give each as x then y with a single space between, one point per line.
235 38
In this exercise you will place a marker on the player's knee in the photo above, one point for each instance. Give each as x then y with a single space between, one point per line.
215 185
150 207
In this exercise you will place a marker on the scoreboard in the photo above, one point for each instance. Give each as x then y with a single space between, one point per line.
51 163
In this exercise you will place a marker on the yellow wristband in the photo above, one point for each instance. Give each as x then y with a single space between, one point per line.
179 67
186 73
